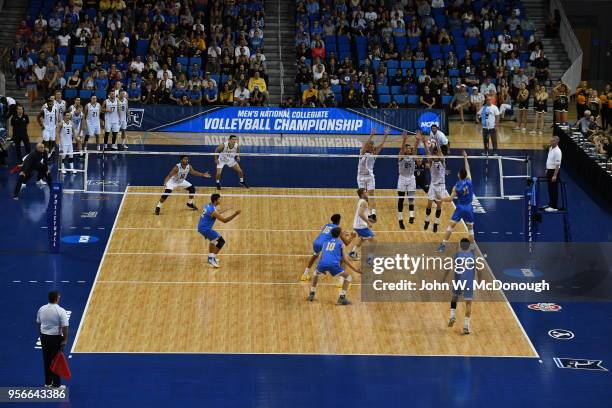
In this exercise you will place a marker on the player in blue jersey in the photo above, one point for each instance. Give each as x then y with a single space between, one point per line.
463 193
333 258
466 267
205 227
321 239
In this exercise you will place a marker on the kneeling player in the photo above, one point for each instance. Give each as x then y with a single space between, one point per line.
178 178
333 257
205 227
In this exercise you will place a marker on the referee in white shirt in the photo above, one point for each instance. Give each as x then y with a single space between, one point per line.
53 328
489 115
553 165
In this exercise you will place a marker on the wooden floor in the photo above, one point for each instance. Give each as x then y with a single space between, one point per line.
155 293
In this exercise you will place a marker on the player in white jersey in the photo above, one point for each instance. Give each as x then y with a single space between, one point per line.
76 116
111 119
77 103
66 134
178 178
47 119
365 168
122 103
60 106
437 186
92 121
406 181
362 222
228 154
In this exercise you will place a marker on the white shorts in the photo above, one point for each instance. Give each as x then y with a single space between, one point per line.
229 163
48 135
171 184
437 193
111 127
366 181
407 184
122 123
66 148
93 128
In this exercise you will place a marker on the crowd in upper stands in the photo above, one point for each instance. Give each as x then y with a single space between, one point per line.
426 53
183 52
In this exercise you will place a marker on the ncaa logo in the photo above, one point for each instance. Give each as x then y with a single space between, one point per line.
545 307
427 119
135 117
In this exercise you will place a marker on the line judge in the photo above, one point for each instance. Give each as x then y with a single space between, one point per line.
52 322
553 167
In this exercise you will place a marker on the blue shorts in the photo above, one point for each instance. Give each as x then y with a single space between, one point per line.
209 234
333 270
317 247
468 278
364 232
465 213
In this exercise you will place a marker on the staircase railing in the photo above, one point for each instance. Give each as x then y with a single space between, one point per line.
573 75
281 66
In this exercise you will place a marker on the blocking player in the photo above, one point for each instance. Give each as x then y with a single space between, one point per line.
321 239
205 227
365 169
228 154
406 181
178 178
463 192
333 258
362 223
437 189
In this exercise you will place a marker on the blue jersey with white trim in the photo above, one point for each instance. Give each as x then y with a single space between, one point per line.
325 234
464 191
332 252
207 221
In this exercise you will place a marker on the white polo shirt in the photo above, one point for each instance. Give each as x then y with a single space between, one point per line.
52 317
554 158
440 138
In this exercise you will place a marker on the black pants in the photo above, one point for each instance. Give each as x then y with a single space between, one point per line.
26 143
553 190
23 178
485 138
50 347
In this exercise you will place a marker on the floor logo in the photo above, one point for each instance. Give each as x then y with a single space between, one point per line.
580 364
561 334
135 117
89 214
545 307
80 239
427 119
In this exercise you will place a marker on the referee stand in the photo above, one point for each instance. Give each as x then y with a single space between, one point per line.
534 213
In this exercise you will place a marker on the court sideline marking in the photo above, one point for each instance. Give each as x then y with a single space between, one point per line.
93 286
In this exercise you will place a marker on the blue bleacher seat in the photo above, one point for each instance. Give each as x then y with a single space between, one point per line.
419 64
85 93
400 99
405 64
62 50
70 93
384 99
375 64
382 89
74 67
184 61
453 72
413 99
446 99
396 89
336 89
80 50
78 59
101 94
435 48
391 72
195 60
392 64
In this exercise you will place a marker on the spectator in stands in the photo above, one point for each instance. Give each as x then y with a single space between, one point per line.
542 73
210 92
134 92
310 95
74 80
326 96
427 99
476 100
23 66
241 95
226 96
460 101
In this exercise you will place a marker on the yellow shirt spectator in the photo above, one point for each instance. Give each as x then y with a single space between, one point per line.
105 5
199 43
309 94
257 81
118 5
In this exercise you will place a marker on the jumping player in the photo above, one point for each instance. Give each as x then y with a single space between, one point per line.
333 257
437 190
365 169
362 223
66 134
111 119
205 227
178 178
406 181
47 119
321 239
228 154
463 191
122 103
420 174
463 284
92 121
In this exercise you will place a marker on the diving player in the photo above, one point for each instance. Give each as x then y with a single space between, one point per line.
362 223
205 227
365 169
321 239
333 257
437 189
228 154
463 192
178 178
406 181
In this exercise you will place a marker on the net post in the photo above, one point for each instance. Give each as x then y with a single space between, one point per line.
85 169
501 176
54 214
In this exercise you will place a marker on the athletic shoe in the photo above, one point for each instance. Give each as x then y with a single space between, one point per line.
401 224
411 220
40 182
218 186
533 132
426 225
98 147
125 146
539 132
441 248
523 129
157 209
192 206
114 147
451 322
343 301
550 209
516 129
305 277
311 297
243 184
466 330
435 227
340 284
63 170
213 263
372 217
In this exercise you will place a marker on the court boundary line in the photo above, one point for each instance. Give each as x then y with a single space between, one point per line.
93 286
267 230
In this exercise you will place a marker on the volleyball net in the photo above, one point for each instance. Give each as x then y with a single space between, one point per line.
111 172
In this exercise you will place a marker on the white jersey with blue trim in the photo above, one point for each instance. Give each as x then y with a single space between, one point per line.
358 222
49 118
366 164
438 173
93 112
123 109
112 116
66 132
181 174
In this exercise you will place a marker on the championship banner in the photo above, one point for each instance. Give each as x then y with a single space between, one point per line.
270 120
54 212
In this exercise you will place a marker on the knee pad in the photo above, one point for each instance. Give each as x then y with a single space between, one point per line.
220 242
191 189
438 212
349 278
428 211
449 229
